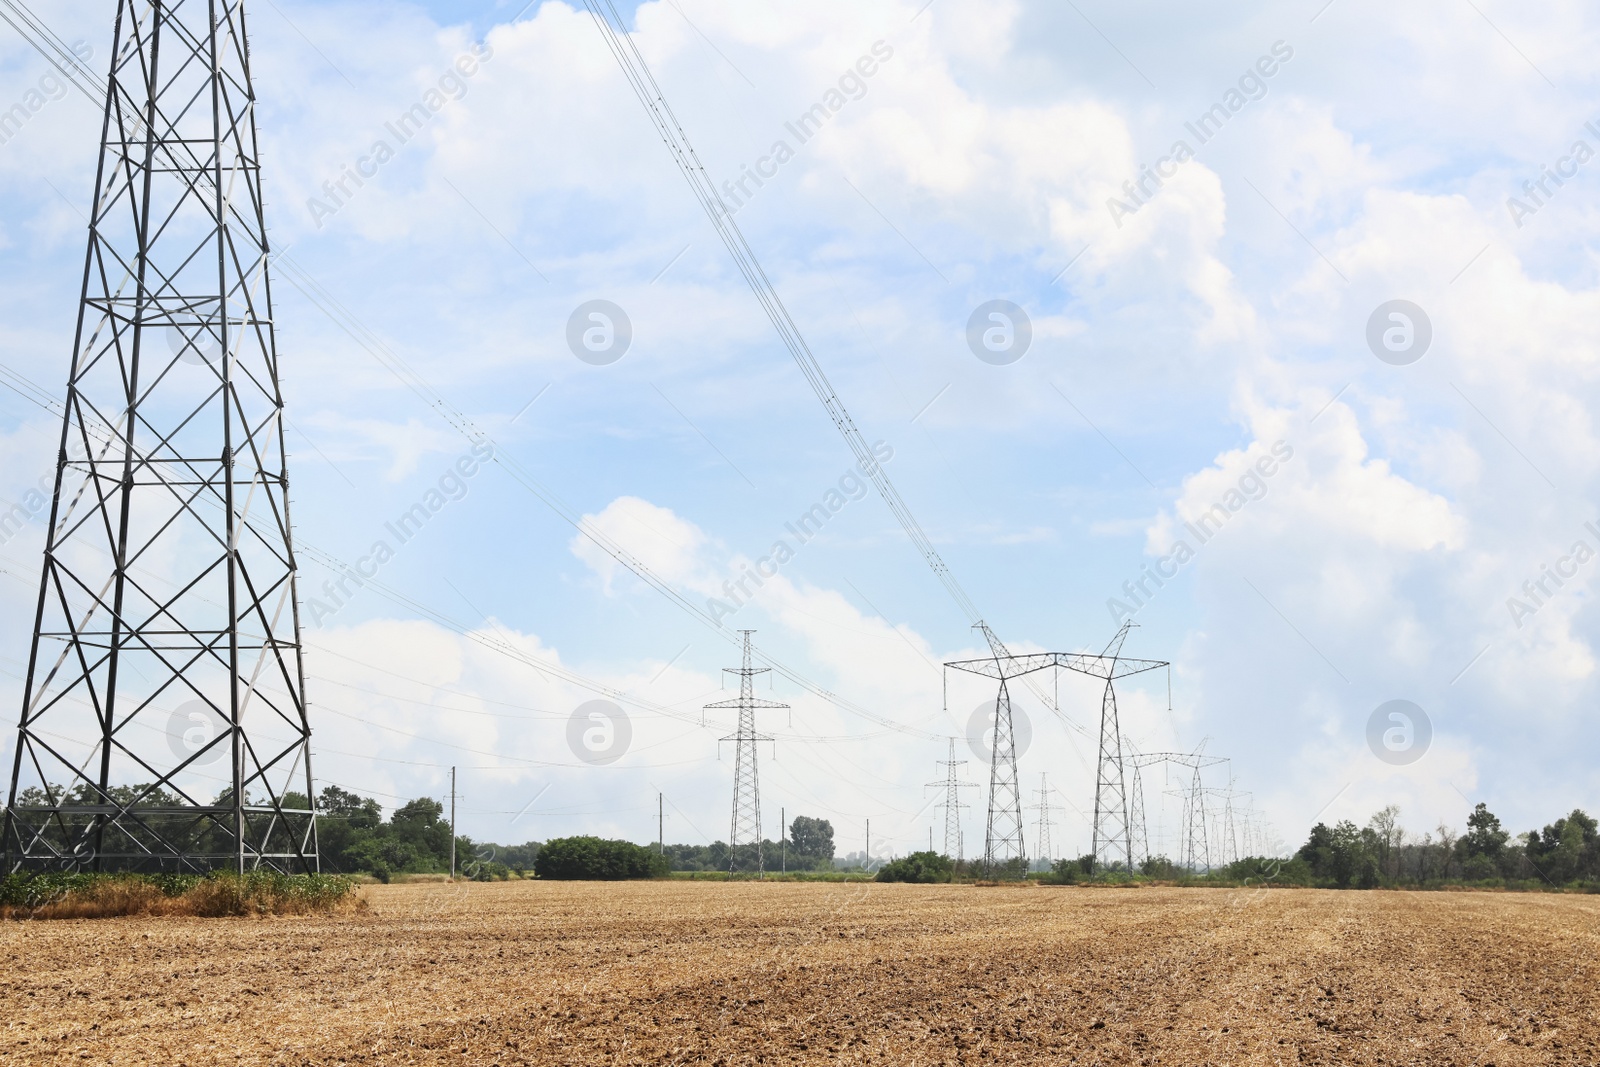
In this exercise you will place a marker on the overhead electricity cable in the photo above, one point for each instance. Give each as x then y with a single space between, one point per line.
374 346
643 83
397 366
57 52
615 32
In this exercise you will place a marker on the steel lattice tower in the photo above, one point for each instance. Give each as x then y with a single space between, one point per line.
1228 839
746 824
1196 848
1112 840
953 843
1004 839
1045 822
1138 832
166 661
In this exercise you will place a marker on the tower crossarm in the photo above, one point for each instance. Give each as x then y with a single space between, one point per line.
1186 759
1089 663
746 702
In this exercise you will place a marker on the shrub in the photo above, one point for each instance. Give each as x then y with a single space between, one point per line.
923 867
1062 872
593 859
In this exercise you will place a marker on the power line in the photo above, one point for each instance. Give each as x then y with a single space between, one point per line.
369 341
643 83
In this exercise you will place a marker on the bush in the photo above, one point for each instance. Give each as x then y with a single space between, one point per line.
921 867
1160 867
592 859
1062 872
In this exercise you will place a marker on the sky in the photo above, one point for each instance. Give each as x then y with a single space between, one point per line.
1303 266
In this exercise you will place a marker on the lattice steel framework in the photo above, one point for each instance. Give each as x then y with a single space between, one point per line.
952 786
1004 840
1138 833
1046 824
1111 821
746 824
1193 850
1227 833
1196 845
164 722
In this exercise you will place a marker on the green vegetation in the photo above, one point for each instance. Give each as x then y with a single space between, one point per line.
923 867
590 858
1565 854
154 832
354 837
809 848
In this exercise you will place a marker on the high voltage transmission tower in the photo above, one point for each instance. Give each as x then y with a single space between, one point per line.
953 844
1138 833
1003 841
1193 849
1227 836
1042 837
163 723
746 825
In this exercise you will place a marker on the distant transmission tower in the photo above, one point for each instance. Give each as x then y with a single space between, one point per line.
1193 847
166 658
1002 836
1045 852
1228 836
1138 832
1196 847
1004 840
953 843
1112 841
746 826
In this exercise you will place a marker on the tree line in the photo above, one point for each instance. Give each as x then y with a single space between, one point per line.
354 837
1564 853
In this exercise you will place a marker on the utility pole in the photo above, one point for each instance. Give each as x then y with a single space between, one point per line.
783 837
452 824
867 862
746 827
661 825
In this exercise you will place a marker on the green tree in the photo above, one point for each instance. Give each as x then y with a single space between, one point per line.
812 838
1484 842
1566 850
1318 850
1340 855
591 858
923 867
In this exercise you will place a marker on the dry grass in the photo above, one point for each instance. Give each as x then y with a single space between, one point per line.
115 896
743 973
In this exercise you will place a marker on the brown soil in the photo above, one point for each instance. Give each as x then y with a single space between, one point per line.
680 973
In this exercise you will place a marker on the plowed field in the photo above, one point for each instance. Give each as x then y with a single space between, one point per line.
676 973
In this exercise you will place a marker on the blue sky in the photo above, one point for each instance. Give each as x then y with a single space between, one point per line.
1172 348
